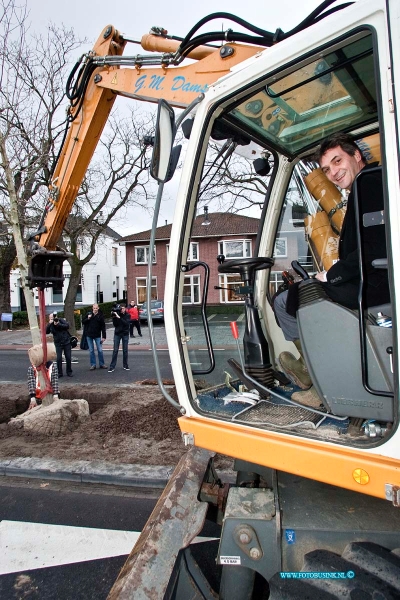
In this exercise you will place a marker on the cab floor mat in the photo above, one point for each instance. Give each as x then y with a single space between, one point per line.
278 415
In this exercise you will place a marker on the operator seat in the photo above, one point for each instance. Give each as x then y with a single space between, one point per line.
330 339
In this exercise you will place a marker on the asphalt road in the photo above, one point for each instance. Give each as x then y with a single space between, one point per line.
87 522
14 367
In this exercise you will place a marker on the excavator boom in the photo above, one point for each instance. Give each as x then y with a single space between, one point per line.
179 86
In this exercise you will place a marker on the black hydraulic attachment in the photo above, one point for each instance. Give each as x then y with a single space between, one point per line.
46 267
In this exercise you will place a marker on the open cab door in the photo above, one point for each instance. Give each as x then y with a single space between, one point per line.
338 76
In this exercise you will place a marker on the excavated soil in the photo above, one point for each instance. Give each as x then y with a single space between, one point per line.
134 425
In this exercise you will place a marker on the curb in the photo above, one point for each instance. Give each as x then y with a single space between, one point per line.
82 471
87 471
109 348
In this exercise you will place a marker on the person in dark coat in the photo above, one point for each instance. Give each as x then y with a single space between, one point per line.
341 160
121 320
62 341
95 330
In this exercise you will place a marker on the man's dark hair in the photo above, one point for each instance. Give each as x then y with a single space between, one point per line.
122 306
344 140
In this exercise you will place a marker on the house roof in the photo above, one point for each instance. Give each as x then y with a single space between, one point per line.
76 221
221 224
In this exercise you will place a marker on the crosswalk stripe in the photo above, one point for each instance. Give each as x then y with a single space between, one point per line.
28 546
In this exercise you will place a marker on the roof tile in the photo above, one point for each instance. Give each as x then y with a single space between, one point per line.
221 224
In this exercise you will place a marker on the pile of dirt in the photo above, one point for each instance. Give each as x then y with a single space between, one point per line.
133 425
140 423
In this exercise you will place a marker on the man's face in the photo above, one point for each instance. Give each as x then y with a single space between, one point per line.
340 167
132 304
95 308
123 309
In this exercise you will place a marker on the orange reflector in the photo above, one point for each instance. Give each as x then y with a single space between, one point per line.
234 329
361 476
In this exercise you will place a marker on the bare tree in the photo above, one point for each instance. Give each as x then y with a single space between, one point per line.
117 180
32 74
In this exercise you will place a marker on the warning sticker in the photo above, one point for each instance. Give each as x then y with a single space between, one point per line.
229 560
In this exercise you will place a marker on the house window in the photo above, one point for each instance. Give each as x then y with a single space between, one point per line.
58 292
193 253
117 287
99 293
142 255
78 297
191 289
114 257
230 282
235 248
275 281
280 249
141 289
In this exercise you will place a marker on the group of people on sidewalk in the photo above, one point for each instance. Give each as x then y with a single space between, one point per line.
124 320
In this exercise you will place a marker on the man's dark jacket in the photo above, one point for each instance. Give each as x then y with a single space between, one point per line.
122 324
343 278
60 332
95 327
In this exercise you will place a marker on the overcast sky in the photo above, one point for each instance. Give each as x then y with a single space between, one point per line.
134 19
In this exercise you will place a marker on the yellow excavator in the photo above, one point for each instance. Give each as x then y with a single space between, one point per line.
314 510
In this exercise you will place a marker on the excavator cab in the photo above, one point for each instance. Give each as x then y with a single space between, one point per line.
283 113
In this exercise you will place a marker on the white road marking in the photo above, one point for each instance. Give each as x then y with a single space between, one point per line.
215 349
211 317
240 318
28 546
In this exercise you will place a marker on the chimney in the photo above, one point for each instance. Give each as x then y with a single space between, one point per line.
206 219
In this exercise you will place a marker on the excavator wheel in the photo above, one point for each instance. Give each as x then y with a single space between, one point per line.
365 570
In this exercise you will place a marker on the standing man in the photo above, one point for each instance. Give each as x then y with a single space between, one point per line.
121 319
341 160
135 321
95 329
62 341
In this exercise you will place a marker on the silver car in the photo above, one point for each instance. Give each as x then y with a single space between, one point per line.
156 308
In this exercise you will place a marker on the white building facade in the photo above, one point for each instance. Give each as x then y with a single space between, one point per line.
103 278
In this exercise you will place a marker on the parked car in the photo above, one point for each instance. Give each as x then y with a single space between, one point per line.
157 311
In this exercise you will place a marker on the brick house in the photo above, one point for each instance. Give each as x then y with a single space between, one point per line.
230 234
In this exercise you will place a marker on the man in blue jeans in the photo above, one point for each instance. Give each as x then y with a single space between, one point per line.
95 329
121 319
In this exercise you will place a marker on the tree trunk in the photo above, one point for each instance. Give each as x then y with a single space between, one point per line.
19 245
74 281
48 399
